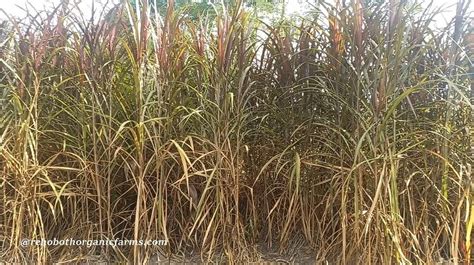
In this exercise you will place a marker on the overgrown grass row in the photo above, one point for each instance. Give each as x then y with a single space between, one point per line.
349 128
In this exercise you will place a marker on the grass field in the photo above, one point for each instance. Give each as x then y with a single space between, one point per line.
348 132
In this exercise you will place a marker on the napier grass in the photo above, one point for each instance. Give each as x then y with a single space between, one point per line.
349 129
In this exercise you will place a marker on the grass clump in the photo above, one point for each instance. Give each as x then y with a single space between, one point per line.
349 129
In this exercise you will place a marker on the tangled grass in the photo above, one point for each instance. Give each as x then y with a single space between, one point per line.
350 128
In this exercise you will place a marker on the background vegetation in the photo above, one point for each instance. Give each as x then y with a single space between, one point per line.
348 131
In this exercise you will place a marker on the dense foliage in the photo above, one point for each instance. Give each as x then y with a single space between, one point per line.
350 129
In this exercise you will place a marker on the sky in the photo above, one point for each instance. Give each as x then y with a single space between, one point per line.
292 6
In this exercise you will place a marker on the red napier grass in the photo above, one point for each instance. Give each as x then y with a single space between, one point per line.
342 136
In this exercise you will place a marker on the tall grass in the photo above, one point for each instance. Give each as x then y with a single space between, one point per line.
349 129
